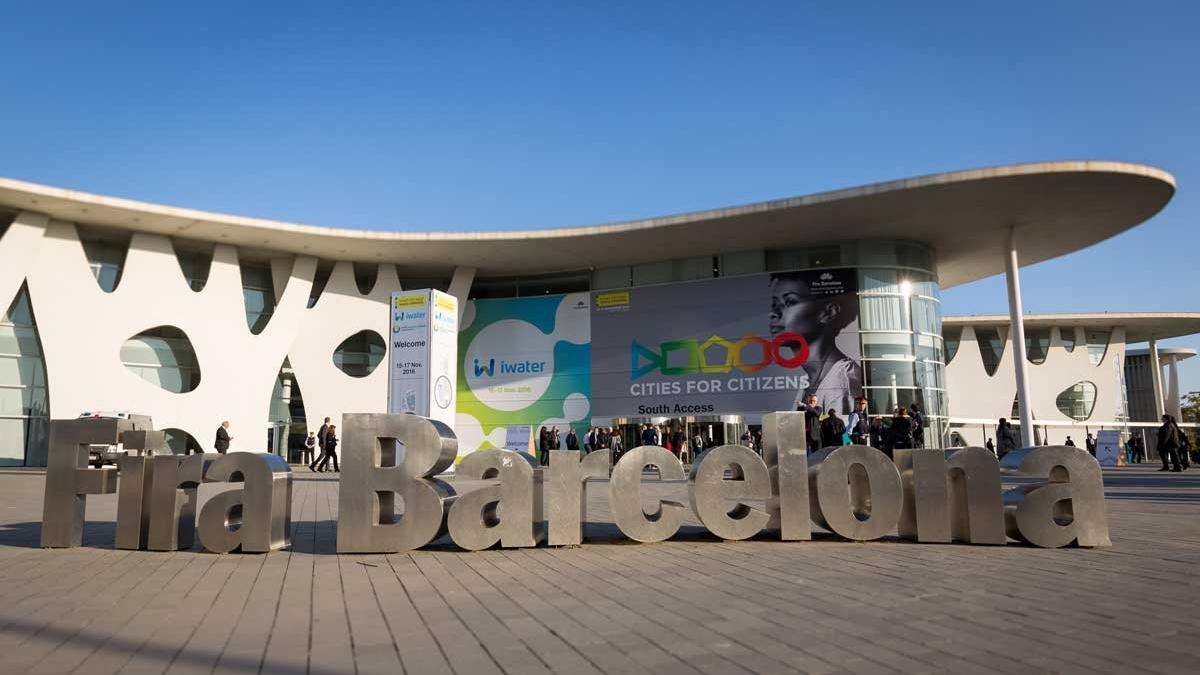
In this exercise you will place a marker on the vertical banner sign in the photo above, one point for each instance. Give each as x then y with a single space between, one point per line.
1108 447
422 361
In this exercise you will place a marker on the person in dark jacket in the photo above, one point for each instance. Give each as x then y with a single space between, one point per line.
832 430
857 423
1185 446
331 442
312 466
223 438
572 439
1168 444
812 423
918 425
1006 438
902 430
878 433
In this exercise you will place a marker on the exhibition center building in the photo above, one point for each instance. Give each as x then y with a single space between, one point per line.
699 323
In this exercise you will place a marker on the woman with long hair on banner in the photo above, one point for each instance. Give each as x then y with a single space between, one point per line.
833 377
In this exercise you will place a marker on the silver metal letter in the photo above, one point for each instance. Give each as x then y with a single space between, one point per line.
508 511
257 518
625 495
133 494
951 495
133 502
384 456
710 491
69 480
173 496
1068 507
854 492
786 457
568 492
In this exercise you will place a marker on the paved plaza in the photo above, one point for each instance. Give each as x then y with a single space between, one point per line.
691 605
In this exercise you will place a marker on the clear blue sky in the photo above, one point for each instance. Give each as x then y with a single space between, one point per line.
497 115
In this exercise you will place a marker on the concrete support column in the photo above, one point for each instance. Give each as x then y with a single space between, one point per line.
460 287
1017 318
1156 381
1172 402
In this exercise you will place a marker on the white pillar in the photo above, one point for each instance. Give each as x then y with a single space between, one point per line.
1156 381
460 287
1017 319
1172 402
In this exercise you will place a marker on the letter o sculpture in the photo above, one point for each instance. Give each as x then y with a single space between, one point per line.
837 494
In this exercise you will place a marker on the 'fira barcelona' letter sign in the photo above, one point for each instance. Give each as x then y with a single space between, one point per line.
854 491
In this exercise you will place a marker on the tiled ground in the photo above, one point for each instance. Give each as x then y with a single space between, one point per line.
691 605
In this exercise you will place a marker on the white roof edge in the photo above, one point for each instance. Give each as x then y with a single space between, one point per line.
1033 168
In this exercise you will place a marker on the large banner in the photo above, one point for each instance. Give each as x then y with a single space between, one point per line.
745 345
525 363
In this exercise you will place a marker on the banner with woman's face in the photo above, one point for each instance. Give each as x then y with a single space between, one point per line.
736 345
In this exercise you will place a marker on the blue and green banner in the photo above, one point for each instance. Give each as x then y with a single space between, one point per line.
525 362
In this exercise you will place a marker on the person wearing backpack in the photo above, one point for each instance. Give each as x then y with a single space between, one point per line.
832 430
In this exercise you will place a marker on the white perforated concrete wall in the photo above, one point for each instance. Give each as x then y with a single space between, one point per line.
82 329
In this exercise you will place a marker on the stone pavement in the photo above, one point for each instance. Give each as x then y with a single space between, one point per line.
691 605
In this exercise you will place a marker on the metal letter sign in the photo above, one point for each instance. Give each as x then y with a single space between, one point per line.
69 480
854 491
508 511
1067 507
257 518
385 456
710 491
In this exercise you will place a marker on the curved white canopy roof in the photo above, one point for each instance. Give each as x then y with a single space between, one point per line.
1058 207
1139 326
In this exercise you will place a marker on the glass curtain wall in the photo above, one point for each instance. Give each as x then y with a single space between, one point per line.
900 324
24 403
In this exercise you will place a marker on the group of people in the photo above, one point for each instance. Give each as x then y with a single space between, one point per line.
597 438
326 441
904 429
1173 445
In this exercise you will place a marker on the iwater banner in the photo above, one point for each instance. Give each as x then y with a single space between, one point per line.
525 362
744 345
423 358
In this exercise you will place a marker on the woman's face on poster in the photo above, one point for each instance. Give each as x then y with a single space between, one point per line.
792 310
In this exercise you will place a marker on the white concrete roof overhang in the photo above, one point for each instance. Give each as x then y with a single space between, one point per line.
1139 326
1058 207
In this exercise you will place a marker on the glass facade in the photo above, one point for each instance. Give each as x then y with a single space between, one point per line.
24 403
105 253
900 324
195 261
991 347
1037 344
1097 345
360 353
1067 335
1077 401
164 357
258 292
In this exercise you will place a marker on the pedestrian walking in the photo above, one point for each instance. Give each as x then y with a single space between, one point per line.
312 466
310 448
1168 445
221 444
331 442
